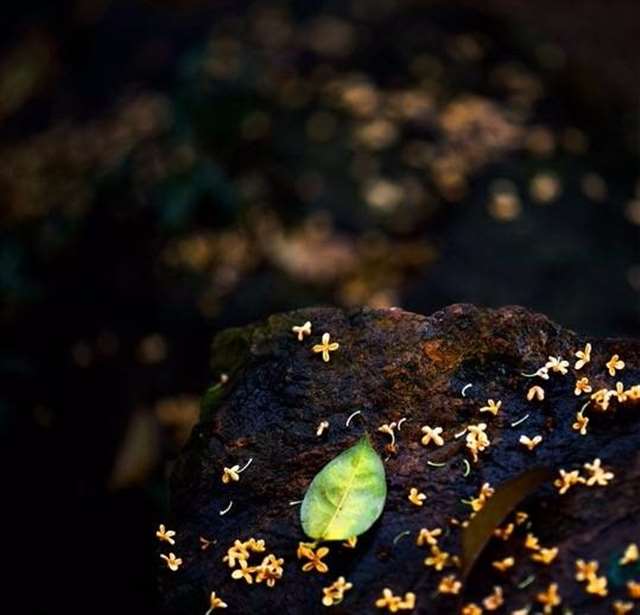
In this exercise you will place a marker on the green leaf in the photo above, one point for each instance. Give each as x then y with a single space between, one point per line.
346 496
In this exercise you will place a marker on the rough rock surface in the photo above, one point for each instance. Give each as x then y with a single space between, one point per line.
393 364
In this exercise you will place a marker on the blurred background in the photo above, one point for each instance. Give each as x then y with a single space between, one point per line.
171 168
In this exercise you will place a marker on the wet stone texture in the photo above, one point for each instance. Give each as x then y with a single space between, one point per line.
391 365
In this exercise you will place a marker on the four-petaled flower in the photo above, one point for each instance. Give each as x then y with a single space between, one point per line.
477 503
530 443
614 364
230 474
415 497
315 560
449 585
581 423
432 435
622 608
583 356
536 392
270 570
549 598
586 570
244 572
567 480
597 474
582 386
597 585
545 556
166 535
504 564
173 562
492 407
531 542
494 600
438 559
215 603
428 537
396 603
334 593
302 330
326 347
557 364
477 440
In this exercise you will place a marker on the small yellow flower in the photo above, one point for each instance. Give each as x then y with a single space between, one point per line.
494 600
438 559
432 435
567 480
492 407
531 542
557 364
244 572
530 443
415 497
334 593
583 356
614 364
477 503
521 517
215 603
633 393
428 537
602 397
326 347
631 555
315 560
633 588
536 392
173 562
597 586
449 585
305 549
549 598
351 542
504 564
581 423
582 386
620 393
622 608
545 556
586 570
235 554
471 609
270 570
598 475
505 532
302 330
408 603
396 603
477 440
166 535
230 474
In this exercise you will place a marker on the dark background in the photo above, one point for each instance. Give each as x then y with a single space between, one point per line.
172 169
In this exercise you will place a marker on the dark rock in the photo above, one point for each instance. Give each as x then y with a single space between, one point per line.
393 364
